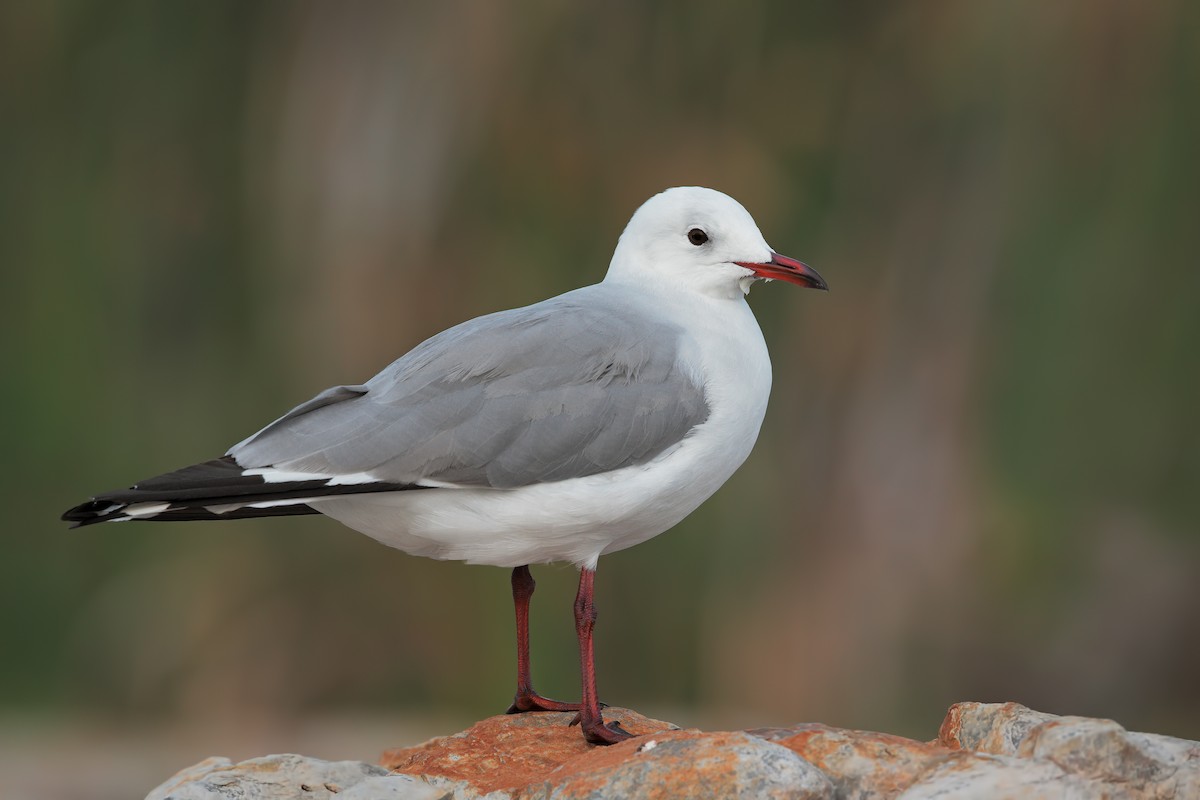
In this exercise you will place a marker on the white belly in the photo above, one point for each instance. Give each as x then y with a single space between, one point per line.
580 519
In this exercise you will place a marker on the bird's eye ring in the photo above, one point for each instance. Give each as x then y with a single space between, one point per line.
697 236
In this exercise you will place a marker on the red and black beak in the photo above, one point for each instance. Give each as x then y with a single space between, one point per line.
782 268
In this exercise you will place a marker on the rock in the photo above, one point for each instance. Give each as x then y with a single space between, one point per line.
1140 764
685 764
864 766
394 787
997 728
291 777
508 752
859 763
983 777
983 752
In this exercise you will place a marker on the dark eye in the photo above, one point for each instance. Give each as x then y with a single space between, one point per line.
697 236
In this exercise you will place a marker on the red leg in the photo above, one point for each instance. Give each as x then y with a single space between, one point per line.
526 699
590 718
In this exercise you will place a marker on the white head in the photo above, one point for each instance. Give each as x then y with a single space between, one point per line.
701 240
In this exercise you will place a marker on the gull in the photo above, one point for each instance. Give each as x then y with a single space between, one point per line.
557 432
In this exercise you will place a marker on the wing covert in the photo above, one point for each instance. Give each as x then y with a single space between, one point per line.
558 390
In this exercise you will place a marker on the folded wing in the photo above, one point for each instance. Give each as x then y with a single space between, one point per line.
554 391
545 393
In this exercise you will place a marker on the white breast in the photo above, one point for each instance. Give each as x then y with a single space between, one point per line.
580 519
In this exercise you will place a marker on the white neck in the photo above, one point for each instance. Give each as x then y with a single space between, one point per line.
725 281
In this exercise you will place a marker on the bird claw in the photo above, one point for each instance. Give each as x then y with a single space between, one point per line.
601 733
535 702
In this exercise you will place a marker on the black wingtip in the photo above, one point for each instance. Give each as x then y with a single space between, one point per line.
189 493
81 512
87 513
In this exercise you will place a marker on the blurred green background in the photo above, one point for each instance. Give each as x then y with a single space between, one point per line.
979 477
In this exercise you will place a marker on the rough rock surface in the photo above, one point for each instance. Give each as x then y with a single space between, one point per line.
291 776
686 764
508 752
1137 764
986 751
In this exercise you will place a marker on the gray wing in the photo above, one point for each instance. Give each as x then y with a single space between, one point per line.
558 390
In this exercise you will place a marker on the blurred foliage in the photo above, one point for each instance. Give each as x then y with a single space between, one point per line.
980 474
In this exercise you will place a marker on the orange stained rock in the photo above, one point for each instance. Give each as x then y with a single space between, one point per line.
508 752
860 762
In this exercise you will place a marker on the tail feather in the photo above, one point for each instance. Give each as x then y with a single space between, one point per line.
218 489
